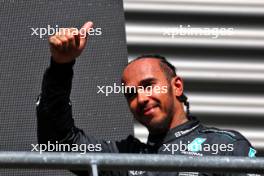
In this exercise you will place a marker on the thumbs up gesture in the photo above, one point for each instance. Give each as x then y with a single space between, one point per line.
67 44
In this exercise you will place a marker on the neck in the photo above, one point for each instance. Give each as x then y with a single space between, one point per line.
178 118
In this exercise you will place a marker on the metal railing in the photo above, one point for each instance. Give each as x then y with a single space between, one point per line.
146 162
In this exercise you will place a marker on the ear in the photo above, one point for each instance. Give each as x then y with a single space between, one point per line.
177 86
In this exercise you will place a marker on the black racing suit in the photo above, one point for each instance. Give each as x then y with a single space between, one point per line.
55 124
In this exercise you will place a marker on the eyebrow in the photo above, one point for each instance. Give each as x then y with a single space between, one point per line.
147 80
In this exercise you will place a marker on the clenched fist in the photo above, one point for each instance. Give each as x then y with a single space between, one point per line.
68 43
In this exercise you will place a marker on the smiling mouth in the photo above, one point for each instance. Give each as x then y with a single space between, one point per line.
149 111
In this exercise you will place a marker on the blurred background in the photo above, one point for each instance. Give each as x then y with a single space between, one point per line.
223 72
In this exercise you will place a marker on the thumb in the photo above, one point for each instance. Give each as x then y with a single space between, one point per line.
88 25
83 33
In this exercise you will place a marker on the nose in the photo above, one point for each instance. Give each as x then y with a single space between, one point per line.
142 98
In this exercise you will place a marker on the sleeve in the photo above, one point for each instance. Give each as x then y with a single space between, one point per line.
54 114
54 111
242 147
55 121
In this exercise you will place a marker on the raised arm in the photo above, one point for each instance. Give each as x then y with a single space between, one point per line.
55 122
54 111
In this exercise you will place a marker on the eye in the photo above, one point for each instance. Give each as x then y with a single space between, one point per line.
148 88
130 95
130 92
148 85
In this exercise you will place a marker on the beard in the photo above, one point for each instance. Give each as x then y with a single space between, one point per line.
157 125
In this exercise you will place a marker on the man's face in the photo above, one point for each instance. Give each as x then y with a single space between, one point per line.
152 107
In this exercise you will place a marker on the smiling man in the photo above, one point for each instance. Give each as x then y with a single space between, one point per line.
158 111
172 130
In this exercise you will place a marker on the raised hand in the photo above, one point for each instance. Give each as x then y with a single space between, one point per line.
67 44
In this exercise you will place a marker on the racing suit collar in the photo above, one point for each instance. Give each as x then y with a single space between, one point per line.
177 132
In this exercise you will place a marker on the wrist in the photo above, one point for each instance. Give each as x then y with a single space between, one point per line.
53 63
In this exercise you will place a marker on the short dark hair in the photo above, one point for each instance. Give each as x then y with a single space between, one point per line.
170 72
168 68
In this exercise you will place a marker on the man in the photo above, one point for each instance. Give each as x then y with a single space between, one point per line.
157 103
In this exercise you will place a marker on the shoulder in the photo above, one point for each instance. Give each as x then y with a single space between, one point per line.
240 144
225 134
